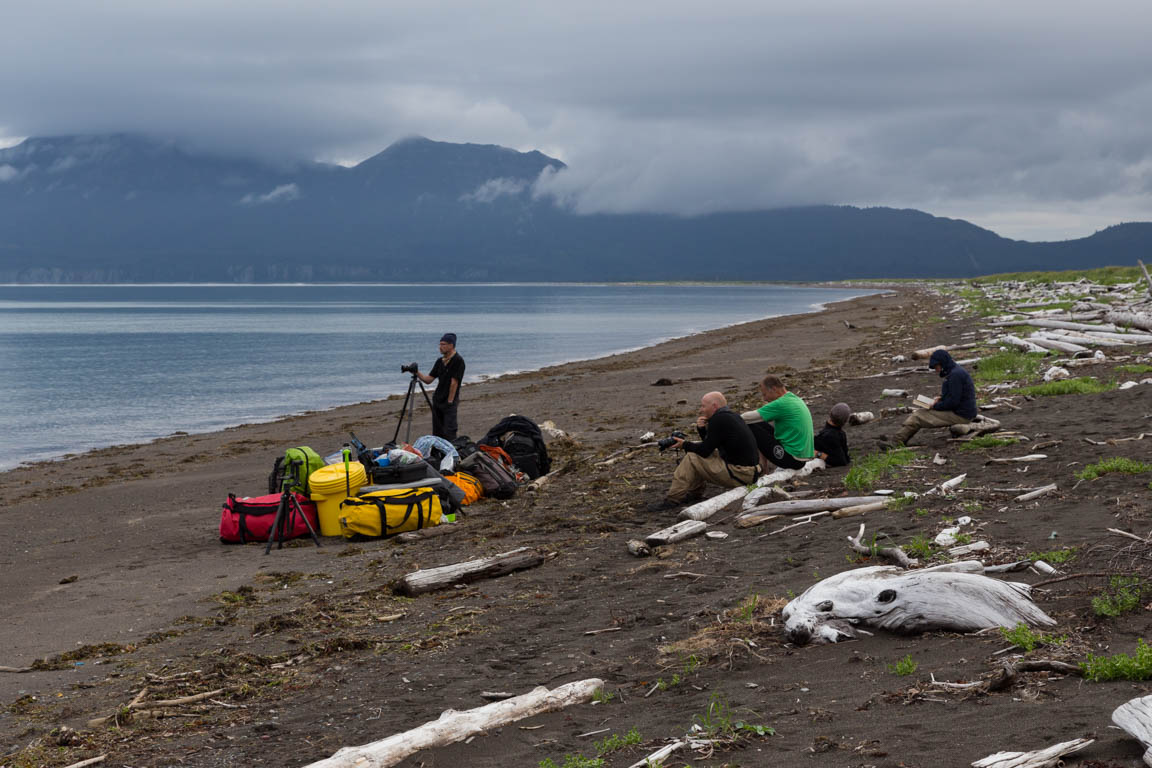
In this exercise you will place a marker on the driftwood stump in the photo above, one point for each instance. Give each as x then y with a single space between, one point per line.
1135 717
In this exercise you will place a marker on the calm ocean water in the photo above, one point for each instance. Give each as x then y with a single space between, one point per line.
84 367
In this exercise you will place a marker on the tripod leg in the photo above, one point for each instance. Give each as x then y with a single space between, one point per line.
404 409
296 510
278 523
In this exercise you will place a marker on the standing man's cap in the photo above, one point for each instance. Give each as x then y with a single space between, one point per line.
450 338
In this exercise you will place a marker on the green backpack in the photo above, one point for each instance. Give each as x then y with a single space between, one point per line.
310 461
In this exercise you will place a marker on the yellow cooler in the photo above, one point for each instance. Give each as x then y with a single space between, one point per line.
329 486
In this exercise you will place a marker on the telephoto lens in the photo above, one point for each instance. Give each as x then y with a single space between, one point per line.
410 368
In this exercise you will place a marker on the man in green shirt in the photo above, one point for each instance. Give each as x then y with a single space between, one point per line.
782 427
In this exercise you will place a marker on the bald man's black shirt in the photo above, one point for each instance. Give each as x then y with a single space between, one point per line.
727 433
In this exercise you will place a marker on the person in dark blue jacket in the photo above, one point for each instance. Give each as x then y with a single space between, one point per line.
956 404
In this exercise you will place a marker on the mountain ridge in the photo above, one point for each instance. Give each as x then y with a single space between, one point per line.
128 208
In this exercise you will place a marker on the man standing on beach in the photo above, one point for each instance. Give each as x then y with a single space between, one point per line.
782 426
956 404
449 370
726 456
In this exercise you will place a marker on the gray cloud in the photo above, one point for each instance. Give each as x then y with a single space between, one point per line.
281 194
1026 117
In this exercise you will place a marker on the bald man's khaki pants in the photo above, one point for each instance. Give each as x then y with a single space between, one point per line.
926 419
695 472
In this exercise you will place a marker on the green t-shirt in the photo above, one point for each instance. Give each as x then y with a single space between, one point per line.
793 423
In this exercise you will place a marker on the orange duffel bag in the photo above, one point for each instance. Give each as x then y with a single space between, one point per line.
473 490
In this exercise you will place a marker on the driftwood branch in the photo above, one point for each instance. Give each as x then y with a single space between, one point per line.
453 726
1041 758
1036 493
705 509
428 533
895 554
431 579
90 761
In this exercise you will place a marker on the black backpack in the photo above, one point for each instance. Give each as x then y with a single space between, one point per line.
521 439
497 481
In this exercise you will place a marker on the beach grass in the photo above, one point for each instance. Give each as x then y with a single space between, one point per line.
1085 385
867 472
1116 464
1134 368
1008 365
987 441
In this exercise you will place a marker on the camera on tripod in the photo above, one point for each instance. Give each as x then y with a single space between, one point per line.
410 368
665 443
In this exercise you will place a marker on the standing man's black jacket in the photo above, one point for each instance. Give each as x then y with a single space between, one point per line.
727 433
957 392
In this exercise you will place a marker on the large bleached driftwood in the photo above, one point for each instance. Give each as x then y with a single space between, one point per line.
1135 717
1023 344
1140 320
453 726
956 597
1061 324
431 579
705 509
1059 346
1041 758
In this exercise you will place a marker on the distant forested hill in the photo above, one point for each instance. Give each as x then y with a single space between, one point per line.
131 209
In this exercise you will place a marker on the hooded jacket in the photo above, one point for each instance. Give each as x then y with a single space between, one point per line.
957 392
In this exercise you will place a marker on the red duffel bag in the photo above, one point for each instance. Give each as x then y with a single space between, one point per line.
251 519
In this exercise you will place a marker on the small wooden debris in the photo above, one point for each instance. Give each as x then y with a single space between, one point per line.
1019 459
602 631
90 761
1036 493
1041 758
895 554
859 509
685 529
453 726
428 533
431 579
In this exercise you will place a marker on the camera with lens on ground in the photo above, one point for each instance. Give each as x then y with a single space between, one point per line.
667 442
410 368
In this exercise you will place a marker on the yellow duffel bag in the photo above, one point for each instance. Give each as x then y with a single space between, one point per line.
385 513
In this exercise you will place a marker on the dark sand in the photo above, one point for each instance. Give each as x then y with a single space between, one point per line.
305 642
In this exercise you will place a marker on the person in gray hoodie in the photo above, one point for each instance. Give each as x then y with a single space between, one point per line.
956 404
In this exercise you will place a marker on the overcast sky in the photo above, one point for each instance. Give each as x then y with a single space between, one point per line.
1031 118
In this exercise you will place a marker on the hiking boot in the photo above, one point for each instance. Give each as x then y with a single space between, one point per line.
664 505
889 444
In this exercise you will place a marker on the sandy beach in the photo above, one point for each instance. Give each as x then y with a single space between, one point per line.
113 574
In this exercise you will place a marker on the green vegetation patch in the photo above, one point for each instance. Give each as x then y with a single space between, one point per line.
616 742
867 472
1085 385
904 667
1009 365
1100 669
1134 368
1023 637
1116 464
1101 275
987 441
1123 595
573 761
981 304
1054 556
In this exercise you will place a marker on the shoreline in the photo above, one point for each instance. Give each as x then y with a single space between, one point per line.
814 308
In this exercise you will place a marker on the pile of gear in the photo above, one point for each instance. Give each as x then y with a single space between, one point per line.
364 493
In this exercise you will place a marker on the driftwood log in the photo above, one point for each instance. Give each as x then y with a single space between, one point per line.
705 509
431 579
685 529
804 506
1041 758
1036 493
1135 717
859 509
453 726
1141 320
954 597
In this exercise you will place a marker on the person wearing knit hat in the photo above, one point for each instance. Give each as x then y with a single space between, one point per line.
831 442
448 373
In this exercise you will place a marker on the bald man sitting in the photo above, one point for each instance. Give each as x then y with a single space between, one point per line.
726 456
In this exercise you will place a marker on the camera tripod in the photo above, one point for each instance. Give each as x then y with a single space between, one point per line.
288 509
409 407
